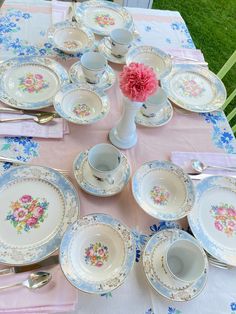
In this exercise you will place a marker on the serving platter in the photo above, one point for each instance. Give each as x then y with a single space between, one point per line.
213 218
194 88
30 83
103 16
97 253
37 205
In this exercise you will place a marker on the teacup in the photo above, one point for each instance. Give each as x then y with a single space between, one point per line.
121 40
154 103
93 66
104 161
184 261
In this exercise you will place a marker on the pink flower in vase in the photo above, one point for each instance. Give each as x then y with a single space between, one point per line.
138 82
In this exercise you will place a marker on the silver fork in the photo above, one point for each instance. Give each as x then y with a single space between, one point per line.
215 262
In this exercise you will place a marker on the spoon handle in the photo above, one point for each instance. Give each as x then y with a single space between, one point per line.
10 286
16 119
223 168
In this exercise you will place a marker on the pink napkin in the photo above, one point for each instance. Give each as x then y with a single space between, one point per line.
217 159
54 129
57 296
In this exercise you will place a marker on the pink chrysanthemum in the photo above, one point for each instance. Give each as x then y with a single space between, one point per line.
138 81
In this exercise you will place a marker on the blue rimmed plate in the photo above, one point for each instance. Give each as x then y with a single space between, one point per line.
81 104
163 190
97 253
213 218
37 205
157 276
103 16
30 83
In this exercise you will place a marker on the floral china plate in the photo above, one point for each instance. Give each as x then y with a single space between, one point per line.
81 104
213 218
160 119
107 80
194 88
163 190
151 56
103 16
37 205
70 37
92 185
30 83
97 253
157 276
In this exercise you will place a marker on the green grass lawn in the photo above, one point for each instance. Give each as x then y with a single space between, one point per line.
212 25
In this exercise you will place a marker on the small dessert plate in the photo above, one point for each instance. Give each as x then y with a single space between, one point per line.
70 37
151 56
97 253
161 118
163 190
107 80
81 104
96 187
159 278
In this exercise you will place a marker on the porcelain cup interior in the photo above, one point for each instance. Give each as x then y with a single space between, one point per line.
70 39
154 103
93 66
121 40
184 261
104 161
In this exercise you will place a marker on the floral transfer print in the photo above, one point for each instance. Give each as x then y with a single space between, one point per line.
96 254
82 110
104 20
233 307
32 83
159 195
172 310
149 311
191 88
225 218
182 29
27 213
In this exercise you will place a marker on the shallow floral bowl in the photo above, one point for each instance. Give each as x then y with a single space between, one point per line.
80 104
71 37
97 252
163 190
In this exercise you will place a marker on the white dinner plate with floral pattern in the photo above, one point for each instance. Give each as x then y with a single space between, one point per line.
213 218
103 16
37 205
71 37
163 190
156 274
31 82
153 57
81 104
92 185
194 88
97 253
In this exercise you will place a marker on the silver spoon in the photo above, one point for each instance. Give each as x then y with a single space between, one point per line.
41 119
34 281
199 166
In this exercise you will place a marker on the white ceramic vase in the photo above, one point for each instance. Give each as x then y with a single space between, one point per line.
124 134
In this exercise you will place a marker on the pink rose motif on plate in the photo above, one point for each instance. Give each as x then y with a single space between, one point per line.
32 83
104 20
191 88
224 218
159 195
27 213
96 254
82 110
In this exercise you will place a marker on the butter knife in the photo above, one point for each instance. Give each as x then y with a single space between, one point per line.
28 112
51 260
202 176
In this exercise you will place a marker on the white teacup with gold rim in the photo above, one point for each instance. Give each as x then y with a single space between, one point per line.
104 161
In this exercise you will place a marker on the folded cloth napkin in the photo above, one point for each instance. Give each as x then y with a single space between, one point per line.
183 159
54 129
55 297
60 11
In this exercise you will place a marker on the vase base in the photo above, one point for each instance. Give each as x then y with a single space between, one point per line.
123 144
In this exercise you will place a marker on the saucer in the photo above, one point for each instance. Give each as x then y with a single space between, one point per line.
107 80
161 118
93 186
163 190
157 276
81 104
104 47
97 253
